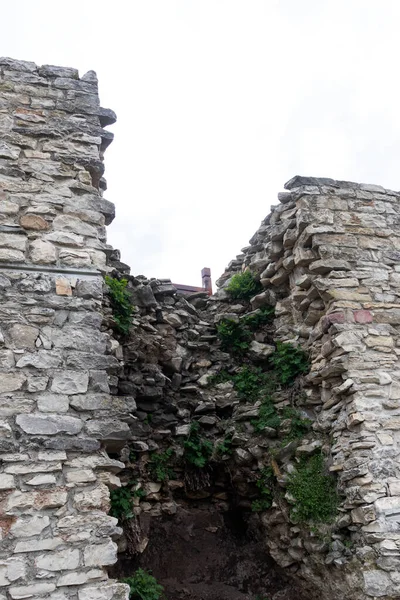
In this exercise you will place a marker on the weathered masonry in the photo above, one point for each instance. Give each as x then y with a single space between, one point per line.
55 399
82 408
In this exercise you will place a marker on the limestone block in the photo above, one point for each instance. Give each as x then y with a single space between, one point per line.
74 225
53 403
23 336
37 545
26 467
79 476
75 258
70 382
11 382
37 384
13 241
42 359
83 339
7 482
65 238
107 591
260 351
97 498
98 555
29 526
105 402
9 208
59 560
377 583
108 429
11 255
48 480
42 252
27 591
48 424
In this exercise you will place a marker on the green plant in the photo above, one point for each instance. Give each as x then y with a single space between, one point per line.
313 490
265 486
299 426
243 286
234 337
224 447
159 465
143 586
267 416
259 318
222 377
288 362
121 303
121 503
250 382
198 450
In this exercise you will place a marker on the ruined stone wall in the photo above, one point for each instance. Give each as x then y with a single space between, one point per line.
73 393
328 256
56 417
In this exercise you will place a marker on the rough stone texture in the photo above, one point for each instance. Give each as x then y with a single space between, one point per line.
52 260
71 390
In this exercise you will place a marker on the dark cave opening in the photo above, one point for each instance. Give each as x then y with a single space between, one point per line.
201 553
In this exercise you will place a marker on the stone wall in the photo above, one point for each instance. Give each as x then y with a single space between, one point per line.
54 359
79 403
326 258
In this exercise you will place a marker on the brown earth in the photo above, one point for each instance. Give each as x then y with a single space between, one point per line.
202 554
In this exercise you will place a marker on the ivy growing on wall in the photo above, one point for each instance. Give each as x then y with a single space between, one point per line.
121 303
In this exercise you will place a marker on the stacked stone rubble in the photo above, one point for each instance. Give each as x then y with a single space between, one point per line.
331 263
326 257
56 417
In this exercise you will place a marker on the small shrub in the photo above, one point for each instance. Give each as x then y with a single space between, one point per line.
143 586
243 286
159 465
198 450
288 362
313 490
250 382
121 303
265 486
267 417
224 447
299 426
261 317
121 503
234 338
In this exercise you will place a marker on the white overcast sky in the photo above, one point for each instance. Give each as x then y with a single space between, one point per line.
219 102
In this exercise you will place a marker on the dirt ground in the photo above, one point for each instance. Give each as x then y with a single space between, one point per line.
200 554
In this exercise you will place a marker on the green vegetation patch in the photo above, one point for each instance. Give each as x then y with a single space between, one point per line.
243 286
121 303
314 491
160 465
299 425
288 361
234 338
197 449
267 417
265 484
121 503
143 586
